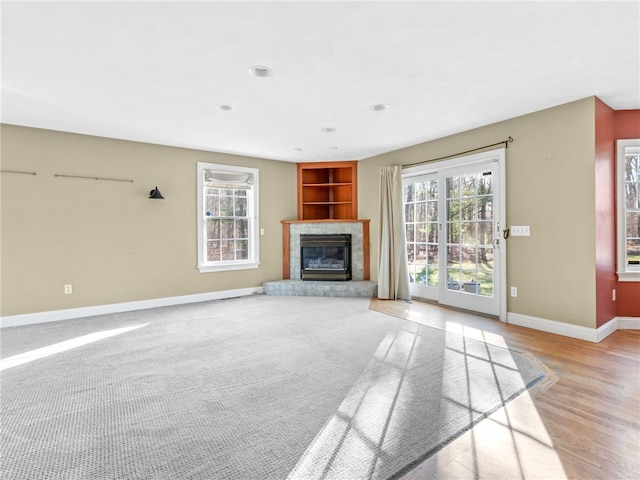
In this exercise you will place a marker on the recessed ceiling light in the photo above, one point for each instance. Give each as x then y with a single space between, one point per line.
333 147
298 149
328 129
378 107
225 107
260 71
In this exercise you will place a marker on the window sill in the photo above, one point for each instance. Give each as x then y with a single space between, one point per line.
629 276
228 267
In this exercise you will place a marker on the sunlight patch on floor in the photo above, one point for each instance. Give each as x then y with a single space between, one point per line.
60 347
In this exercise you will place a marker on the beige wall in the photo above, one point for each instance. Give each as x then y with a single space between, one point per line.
550 186
115 245
106 238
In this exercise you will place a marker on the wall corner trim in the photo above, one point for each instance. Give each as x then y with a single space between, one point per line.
574 331
68 314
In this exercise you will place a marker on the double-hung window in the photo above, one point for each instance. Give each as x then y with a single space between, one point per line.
628 173
227 217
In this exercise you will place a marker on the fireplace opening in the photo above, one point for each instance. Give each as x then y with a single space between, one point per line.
325 257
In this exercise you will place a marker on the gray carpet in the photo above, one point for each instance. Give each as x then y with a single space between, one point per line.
258 387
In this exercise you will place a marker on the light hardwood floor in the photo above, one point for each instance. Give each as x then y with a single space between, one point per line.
584 423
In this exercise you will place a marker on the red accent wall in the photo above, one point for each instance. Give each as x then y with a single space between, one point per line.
606 278
627 125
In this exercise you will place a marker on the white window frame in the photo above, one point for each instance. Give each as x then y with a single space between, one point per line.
204 265
626 273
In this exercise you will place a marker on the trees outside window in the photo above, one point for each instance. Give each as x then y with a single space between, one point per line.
227 217
628 173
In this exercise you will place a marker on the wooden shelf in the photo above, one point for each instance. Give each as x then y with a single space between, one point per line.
328 190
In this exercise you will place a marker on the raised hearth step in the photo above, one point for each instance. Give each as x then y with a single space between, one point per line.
353 288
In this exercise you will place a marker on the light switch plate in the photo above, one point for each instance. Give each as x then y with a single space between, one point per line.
520 231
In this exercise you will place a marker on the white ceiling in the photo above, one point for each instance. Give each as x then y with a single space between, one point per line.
157 71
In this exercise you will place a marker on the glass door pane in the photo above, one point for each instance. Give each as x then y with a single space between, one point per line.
468 247
421 223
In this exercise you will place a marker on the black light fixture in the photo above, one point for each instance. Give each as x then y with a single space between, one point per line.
155 193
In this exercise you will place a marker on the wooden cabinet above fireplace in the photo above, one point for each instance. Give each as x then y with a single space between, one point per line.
328 190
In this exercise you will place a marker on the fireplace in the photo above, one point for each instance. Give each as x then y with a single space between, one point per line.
325 257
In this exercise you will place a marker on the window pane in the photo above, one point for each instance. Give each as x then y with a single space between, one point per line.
632 168
421 232
411 253
432 211
228 251
453 278
453 233
409 193
213 229
453 209
420 274
485 208
226 206
468 233
468 185
432 233
633 224
242 228
212 205
485 187
240 205
453 187
632 195
484 233
453 256
468 209
633 252
409 232
213 251
242 249
421 192
409 211
432 190
226 228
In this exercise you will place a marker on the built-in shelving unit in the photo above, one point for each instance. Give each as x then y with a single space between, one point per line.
328 190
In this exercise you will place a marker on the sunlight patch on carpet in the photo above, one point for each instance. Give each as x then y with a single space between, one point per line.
60 347
422 389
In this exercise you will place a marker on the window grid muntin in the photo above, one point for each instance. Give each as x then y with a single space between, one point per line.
469 222
227 220
421 223
227 195
631 206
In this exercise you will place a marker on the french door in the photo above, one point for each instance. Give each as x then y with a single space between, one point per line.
452 220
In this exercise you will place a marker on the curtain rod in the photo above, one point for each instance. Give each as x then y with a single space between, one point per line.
505 142
16 171
93 178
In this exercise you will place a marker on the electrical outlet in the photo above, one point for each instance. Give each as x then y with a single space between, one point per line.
68 289
514 291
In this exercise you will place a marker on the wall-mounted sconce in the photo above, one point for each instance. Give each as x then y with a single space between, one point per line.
155 193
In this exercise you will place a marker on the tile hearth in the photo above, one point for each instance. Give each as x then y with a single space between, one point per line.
352 288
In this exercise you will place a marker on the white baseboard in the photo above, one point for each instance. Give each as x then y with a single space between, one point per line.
56 315
575 331
628 323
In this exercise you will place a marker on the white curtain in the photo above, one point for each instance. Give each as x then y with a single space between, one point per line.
393 275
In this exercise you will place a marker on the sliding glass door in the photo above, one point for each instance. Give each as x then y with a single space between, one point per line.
452 220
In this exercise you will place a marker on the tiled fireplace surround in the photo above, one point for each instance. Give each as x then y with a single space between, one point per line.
291 284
